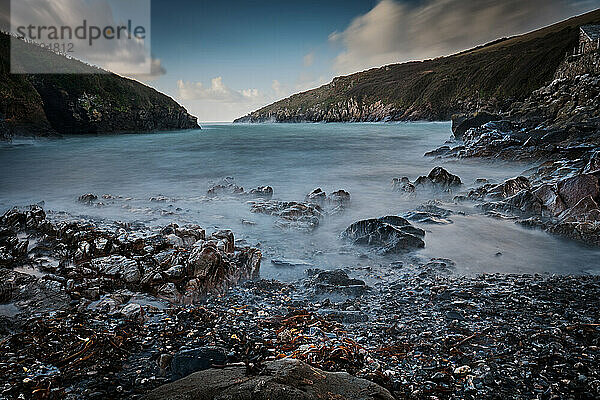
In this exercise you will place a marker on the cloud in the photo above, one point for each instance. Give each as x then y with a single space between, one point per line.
156 71
120 54
309 59
217 92
395 31
278 88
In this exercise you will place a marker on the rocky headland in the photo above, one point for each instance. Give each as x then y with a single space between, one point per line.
87 102
492 76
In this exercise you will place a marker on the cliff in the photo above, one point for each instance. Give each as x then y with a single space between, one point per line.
50 104
489 77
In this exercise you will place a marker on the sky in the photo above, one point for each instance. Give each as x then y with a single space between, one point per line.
223 59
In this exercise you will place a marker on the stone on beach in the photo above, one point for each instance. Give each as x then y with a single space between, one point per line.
285 379
391 234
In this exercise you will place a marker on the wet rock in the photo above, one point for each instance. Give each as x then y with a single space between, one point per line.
572 190
287 262
284 379
164 361
548 195
339 198
88 198
118 267
440 151
317 196
524 201
32 217
391 234
439 178
586 210
214 269
175 273
462 123
187 362
593 164
423 217
265 192
169 292
402 185
226 186
508 188
336 281
226 241
133 312
303 216
440 265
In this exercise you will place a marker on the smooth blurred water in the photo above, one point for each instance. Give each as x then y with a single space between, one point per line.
293 159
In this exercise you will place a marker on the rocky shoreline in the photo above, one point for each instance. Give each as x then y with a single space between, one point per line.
558 128
432 335
103 309
111 310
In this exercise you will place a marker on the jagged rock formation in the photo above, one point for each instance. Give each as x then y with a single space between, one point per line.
178 264
489 77
83 103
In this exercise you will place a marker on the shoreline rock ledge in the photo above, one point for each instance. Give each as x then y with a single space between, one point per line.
284 379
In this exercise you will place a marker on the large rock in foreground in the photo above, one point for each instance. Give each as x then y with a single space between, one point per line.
391 234
285 379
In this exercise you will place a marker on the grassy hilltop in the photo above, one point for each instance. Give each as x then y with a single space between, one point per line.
493 74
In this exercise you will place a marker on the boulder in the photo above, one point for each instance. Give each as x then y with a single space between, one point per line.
391 234
87 198
189 361
424 217
462 123
317 196
339 198
337 281
284 379
573 189
438 177
226 186
303 216
212 269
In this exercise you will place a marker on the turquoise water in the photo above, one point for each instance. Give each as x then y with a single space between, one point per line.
293 159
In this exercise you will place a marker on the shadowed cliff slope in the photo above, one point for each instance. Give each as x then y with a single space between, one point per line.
489 76
47 104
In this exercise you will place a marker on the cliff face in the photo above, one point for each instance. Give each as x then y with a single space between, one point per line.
80 103
489 77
